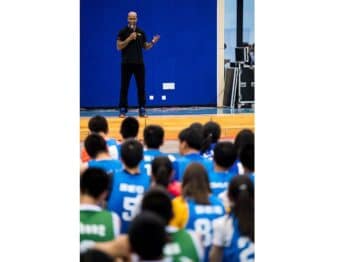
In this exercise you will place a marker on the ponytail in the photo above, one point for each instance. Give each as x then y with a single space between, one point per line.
206 143
162 176
162 170
241 193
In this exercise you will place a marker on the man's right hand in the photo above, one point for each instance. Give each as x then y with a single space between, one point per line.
132 36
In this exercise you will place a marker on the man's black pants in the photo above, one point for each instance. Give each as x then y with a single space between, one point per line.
127 70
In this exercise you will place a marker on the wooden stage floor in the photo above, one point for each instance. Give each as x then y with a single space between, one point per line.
231 123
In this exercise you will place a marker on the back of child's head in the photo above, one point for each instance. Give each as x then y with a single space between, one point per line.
162 170
129 127
195 183
153 136
198 126
157 200
212 129
192 136
211 134
246 156
95 144
225 154
131 152
147 236
244 137
94 181
98 124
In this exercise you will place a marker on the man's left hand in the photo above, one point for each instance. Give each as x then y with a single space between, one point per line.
155 38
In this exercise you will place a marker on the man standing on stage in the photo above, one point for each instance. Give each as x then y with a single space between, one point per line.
130 41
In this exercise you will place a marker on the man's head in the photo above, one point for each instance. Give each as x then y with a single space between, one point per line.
132 18
129 127
95 183
131 153
153 136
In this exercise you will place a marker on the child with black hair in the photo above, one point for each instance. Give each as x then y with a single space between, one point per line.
99 125
147 237
96 224
97 149
129 128
243 138
153 138
196 208
211 135
246 157
233 239
224 157
128 184
183 244
162 175
190 142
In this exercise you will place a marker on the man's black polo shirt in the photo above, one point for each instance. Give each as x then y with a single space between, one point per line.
132 53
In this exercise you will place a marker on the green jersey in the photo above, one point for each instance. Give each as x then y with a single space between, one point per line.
184 246
97 225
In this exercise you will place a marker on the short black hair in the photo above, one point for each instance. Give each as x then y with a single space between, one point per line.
98 124
225 154
246 157
158 201
198 126
153 136
192 136
129 127
212 129
147 236
94 181
94 144
131 152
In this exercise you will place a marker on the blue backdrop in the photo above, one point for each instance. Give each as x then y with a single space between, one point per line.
185 53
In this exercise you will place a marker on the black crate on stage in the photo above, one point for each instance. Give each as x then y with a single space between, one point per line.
247 86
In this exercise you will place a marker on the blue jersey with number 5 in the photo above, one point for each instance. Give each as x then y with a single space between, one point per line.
126 193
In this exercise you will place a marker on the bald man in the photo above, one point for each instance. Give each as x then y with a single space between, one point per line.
131 39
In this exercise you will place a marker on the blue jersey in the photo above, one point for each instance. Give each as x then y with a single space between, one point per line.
234 168
110 166
182 162
201 217
209 153
113 148
240 248
219 181
126 193
148 156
